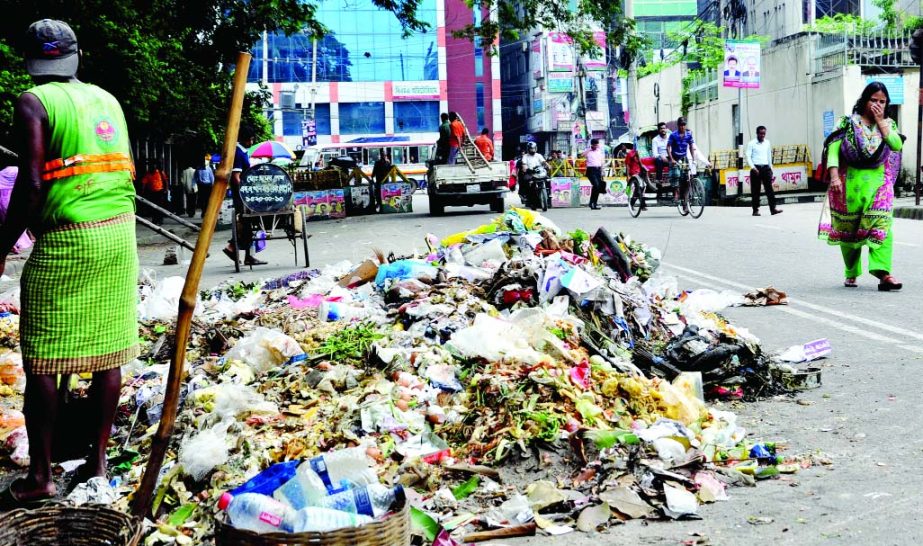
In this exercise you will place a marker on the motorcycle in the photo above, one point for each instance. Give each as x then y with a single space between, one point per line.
535 189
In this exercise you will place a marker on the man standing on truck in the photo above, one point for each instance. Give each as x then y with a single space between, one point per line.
456 137
485 144
442 145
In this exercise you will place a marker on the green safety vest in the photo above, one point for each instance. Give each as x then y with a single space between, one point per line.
88 172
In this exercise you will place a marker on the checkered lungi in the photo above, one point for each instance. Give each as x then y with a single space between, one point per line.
79 298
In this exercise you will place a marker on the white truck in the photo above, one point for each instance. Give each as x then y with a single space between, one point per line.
472 180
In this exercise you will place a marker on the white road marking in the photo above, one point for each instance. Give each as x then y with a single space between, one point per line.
906 244
767 226
820 308
815 318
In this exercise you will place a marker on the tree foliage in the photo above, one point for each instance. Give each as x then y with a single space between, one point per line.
167 60
513 20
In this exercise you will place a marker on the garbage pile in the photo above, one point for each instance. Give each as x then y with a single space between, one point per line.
514 380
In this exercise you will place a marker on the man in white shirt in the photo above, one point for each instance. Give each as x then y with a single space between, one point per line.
659 150
187 179
759 158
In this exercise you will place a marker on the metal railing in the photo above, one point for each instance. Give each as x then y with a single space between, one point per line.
878 50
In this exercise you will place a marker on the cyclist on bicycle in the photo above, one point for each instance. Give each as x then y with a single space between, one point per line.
680 147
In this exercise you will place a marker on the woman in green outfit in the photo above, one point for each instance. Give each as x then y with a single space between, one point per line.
863 160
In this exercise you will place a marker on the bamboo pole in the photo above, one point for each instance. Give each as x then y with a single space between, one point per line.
163 232
144 495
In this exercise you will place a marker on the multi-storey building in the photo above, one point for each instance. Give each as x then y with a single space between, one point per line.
371 83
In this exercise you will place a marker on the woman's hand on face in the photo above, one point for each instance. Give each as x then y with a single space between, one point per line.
878 111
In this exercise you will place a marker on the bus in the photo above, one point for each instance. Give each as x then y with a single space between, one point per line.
408 156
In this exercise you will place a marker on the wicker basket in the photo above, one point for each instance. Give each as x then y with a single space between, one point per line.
391 531
62 525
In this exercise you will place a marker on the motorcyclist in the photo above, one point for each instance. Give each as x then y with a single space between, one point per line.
531 166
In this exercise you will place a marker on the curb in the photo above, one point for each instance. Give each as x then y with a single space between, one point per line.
909 213
783 199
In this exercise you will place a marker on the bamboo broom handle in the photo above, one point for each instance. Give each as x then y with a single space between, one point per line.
141 505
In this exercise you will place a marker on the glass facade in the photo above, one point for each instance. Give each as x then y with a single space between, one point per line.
416 117
364 44
291 120
661 8
358 118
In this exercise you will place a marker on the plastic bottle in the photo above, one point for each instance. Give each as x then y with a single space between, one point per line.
321 520
333 311
372 500
268 480
351 464
305 489
258 513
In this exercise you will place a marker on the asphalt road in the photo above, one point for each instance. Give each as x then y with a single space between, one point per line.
865 418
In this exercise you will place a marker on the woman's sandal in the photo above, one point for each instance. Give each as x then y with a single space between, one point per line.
888 283
850 282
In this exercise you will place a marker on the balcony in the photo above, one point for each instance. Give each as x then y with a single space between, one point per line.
880 50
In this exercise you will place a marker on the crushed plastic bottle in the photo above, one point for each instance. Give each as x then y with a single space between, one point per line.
372 500
321 520
332 311
269 480
304 489
258 513
351 464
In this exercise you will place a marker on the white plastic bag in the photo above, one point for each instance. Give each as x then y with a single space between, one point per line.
264 349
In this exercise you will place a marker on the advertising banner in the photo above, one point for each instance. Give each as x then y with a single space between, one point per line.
741 64
560 52
565 192
597 61
790 177
561 82
336 198
396 197
315 205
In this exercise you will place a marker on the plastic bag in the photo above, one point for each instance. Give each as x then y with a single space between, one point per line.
264 349
163 301
201 453
709 301
404 269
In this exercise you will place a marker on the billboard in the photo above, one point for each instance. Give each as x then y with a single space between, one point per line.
561 82
596 61
741 64
560 52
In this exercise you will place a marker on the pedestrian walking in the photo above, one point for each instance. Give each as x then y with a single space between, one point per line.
595 160
868 146
154 189
244 226
485 144
380 172
456 136
442 145
759 158
79 286
205 179
190 189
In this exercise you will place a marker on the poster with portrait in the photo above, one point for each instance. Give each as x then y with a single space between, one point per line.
565 192
336 198
741 64
314 204
396 197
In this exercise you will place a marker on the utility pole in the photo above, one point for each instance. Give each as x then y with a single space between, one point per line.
632 84
915 52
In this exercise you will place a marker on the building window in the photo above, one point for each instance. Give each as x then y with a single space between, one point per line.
416 117
358 118
322 118
291 122
479 102
478 56
364 43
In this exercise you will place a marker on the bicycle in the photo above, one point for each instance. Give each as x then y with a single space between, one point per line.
691 202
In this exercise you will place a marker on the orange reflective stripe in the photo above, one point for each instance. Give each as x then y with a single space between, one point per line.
86 168
85 158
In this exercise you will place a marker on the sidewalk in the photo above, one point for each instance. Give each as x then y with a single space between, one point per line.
909 211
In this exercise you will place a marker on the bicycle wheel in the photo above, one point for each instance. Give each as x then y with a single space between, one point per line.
696 198
634 197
